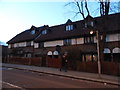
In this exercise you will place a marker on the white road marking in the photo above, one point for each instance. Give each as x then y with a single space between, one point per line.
13 85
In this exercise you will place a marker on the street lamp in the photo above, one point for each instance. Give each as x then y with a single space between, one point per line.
98 51
91 32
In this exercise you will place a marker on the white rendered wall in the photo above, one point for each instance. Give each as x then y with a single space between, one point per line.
53 43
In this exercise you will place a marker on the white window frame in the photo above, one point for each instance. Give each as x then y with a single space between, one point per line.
44 32
33 32
69 27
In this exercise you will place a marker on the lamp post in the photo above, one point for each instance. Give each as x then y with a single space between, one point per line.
98 51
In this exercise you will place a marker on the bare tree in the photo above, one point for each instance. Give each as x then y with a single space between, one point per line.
81 5
104 7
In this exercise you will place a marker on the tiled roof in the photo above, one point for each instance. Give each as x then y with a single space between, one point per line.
112 24
58 32
26 35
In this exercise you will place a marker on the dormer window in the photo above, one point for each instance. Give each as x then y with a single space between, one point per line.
69 27
33 32
89 21
89 24
44 32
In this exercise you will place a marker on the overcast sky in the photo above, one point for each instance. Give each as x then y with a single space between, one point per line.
19 15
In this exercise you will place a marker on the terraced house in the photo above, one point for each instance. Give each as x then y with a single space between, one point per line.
22 45
71 37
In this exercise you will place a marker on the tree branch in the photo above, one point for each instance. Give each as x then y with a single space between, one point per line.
81 11
86 6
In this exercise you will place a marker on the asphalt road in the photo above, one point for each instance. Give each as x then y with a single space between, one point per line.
13 78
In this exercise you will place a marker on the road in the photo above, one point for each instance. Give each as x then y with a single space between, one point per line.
22 79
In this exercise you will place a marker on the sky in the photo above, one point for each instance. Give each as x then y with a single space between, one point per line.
19 15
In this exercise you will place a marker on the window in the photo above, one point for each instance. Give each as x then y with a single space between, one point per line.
32 43
69 27
89 24
50 54
41 45
22 44
55 53
95 57
36 45
9 46
106 50
67 42
112 37
28 43
88 39
116 50
15 45
44 32
89 57
33 32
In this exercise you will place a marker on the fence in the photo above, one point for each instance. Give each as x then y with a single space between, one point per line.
25 61
87 66
53 62
111 68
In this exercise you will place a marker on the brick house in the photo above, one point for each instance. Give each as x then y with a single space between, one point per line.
75 38
71 37
22 45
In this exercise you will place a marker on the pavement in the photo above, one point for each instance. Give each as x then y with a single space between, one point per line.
103 78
